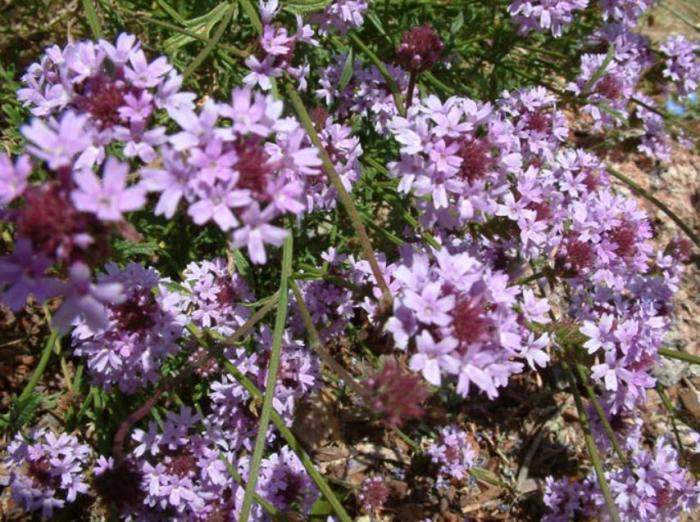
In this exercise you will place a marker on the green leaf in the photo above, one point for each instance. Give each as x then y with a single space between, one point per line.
202 25
129 249
457 23
347 70
92 19
301 7
252 13
600 71
22 411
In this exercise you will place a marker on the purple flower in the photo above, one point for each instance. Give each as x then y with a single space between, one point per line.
109 197
257 231
453 452
433 357
216 204
545 15
428 306
682 63
13 178
58 143
22 275
83 298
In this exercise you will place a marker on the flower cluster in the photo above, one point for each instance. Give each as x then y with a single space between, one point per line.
682 63
653 487
46 471
545 15
460 319
140 333
453 452
340 16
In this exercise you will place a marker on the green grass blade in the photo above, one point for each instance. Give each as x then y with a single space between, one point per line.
92 19
253 15
209 47
271 382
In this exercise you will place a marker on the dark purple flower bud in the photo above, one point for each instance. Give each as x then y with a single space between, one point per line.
395 394
419 50
680 248
476 159
373 494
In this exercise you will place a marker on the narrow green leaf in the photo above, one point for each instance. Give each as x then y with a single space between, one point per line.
457 23
92 19
271 381
681 356
600 71
209 47
348 68
302 7
253 15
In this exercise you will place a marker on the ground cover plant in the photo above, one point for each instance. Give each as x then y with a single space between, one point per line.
346 260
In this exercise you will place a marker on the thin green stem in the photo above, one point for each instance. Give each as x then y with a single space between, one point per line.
241 53
388 78
662 206
271 381
249 324
672 416
269 508
600 412
40 368
681 356
592 448
343 195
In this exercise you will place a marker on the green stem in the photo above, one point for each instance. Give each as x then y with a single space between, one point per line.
271 381
681 356
249 324
269 508
40 368
671 414
600 412
343 195
592 448
662 206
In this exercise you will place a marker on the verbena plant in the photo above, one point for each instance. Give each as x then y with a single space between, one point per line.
214 204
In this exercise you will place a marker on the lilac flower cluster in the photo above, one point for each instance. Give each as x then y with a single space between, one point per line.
453 452
46 471
653 487
366 94
140 332
340 16
545 15
464 322
224 166
373 494
277 48
183 472
682 63
626 12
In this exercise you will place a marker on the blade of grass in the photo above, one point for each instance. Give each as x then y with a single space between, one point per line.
252 13
92 19
275 513
343 195
209 47
672 416
41 367
271 381
580 370
592 448
315 342
681 356
662 206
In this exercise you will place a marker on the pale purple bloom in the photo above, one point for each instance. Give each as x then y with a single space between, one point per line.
431 357
86 299
58 143
257 231
108 198
22 274
13 178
